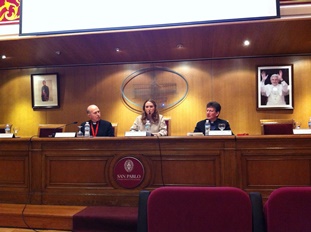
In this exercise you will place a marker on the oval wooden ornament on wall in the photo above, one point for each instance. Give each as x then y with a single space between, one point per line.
161 84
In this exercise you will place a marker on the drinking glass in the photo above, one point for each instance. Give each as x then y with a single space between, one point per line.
15 130
79 134
221 126
298 125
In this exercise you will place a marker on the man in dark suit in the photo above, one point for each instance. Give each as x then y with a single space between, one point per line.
45 92
212 113
98 127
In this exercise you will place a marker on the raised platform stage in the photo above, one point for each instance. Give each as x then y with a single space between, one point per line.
38 216
68 218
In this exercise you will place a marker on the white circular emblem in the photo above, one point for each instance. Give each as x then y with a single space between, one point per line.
128 165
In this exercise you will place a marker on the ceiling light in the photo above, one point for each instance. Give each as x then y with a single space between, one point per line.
117 49
58 52
3 57
246 43
179 46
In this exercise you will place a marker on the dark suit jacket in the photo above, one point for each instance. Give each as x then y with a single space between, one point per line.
200 127
104 128
45 93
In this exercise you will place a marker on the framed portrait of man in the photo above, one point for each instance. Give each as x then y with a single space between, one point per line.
275 87
45 90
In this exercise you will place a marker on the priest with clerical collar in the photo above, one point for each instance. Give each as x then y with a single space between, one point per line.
98 127
212 112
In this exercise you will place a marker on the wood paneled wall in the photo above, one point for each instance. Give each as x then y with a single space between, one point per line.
232 82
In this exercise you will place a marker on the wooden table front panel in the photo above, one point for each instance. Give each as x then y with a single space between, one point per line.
79 171
14 170
270 162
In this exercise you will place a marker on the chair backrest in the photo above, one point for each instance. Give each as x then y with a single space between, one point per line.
2 127
168 125
47 130
199 209
276 126
115 129
288 209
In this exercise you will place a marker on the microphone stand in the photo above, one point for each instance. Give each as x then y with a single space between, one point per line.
149 115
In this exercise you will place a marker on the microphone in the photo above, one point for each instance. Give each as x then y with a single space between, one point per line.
55 129
70 124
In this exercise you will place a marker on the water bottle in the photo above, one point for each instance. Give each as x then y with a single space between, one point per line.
87 129
309 123
148 128
207 127
7 129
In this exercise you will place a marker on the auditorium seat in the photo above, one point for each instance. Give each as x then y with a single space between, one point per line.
185 209
288 209
277 126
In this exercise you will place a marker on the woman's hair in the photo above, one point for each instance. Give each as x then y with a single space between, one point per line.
154 116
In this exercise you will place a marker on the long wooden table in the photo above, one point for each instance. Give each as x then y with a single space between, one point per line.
269 162
81 171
